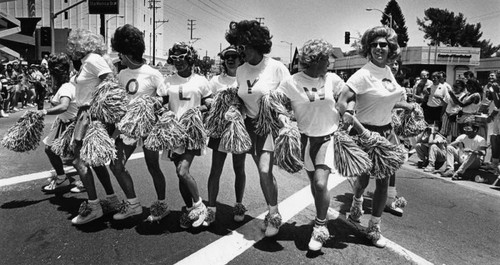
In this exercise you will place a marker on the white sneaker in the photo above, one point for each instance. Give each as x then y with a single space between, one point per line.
210 217
78 187
273 223
198 214
319 237
87 213
3 114
127 210
158 210
374 234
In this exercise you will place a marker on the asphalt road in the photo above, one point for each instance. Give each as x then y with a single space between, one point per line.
445 222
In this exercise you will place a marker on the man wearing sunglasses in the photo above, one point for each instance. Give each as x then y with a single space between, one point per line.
186 90
376 93
231 60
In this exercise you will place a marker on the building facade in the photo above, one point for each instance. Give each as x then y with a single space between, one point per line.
452 60
136 12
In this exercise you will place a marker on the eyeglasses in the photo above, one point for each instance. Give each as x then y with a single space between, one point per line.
231 56
379 44
179 57
240 48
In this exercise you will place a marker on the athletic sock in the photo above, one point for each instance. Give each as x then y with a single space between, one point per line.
391 192
273 209
133 201
319 222
376 220
358 201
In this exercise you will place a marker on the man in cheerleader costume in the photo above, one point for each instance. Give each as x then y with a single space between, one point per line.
185 91
88 48
256 77
376 93
138 79
231 60
312 93
64 105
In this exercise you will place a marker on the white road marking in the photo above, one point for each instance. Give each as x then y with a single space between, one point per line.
47 174
408 255
239 241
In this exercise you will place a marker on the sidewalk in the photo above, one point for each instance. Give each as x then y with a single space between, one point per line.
485 187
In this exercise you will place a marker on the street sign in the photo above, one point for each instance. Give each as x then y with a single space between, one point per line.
104 7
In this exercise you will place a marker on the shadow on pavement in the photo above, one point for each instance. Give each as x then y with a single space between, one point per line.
20 203
342 232
223 224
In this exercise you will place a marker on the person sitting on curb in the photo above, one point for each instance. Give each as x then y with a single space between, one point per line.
430 148
467 150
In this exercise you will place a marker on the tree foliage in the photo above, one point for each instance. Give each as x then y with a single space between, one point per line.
445 27
398 22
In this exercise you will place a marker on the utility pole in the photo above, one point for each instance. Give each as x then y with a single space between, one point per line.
260 20
152 5
191 27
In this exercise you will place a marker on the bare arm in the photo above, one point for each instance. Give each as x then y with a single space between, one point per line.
346 96
60 108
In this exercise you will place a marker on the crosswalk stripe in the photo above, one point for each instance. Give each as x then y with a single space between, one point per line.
47 174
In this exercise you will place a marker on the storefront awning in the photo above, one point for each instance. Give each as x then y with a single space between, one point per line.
7 54
20 38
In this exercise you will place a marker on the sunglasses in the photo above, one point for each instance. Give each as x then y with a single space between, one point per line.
231 56
240 48
179 57
379 44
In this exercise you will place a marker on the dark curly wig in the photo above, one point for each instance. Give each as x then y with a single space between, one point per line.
183 48
129 40
380 31
250 32
59 65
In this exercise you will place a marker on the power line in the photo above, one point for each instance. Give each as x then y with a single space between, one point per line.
228 10
219 10
207 11
485 15
234 10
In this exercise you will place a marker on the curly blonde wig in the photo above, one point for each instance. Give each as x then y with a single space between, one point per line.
82 42
313 51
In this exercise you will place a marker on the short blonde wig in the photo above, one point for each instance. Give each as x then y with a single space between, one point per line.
380 31
313 51
82 42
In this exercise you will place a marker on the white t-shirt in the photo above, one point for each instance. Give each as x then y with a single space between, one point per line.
144 80
184 93
256 80
376 94
437 91
473 144
66 90
87 79
313 102
222 82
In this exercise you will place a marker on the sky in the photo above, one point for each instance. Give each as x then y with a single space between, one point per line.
296 21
